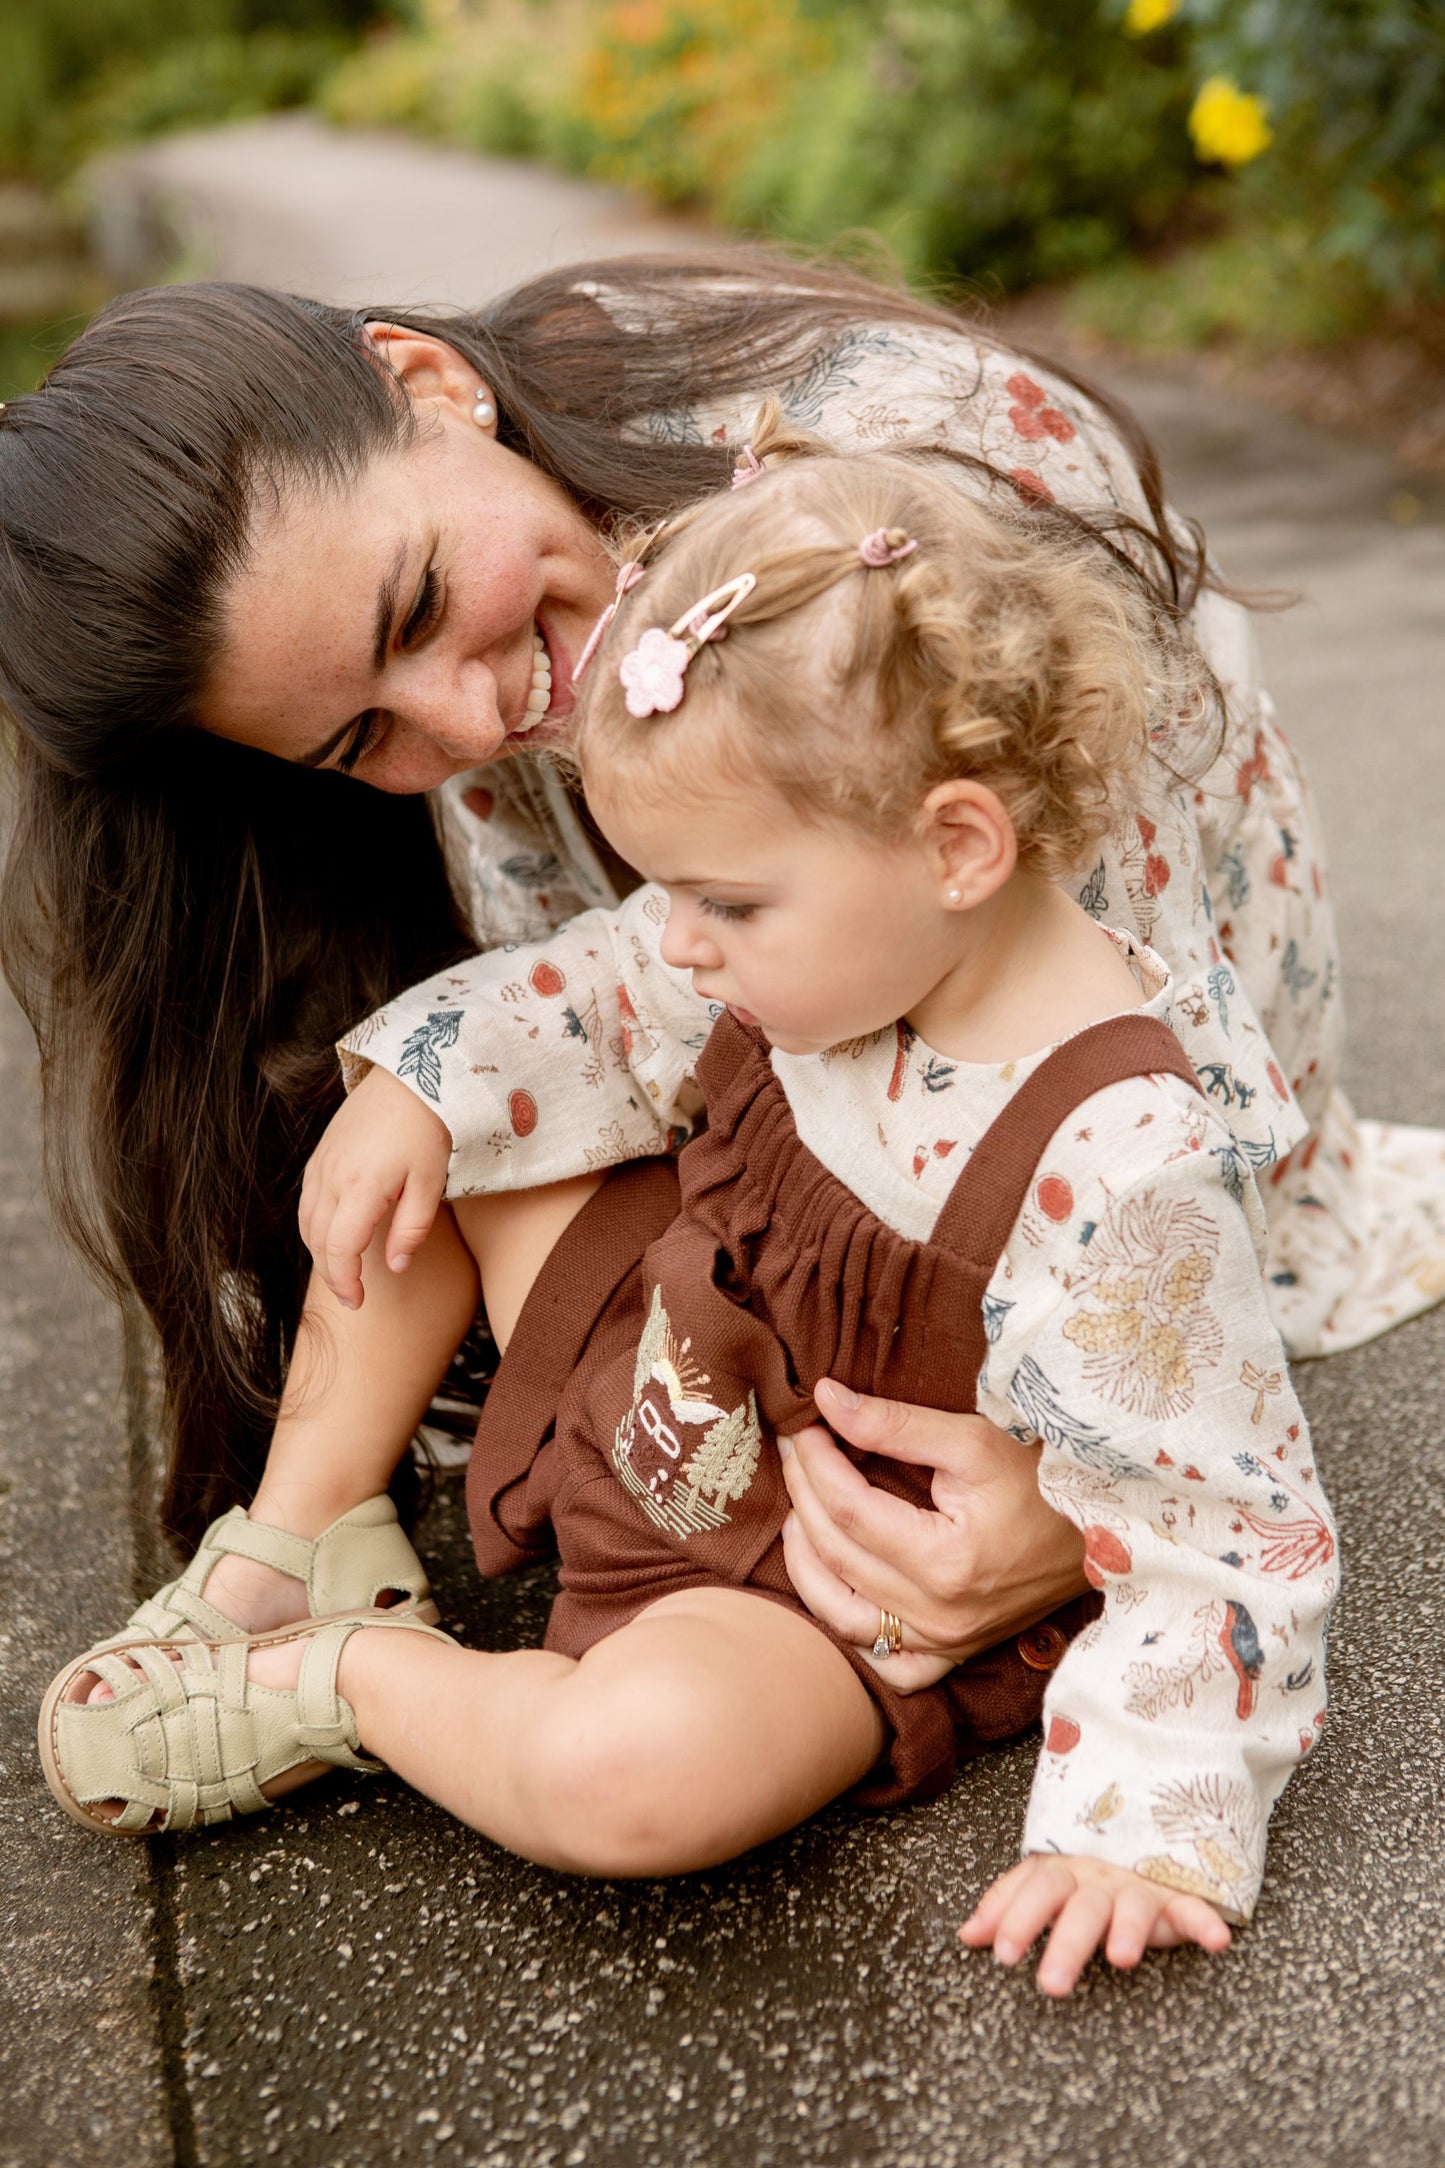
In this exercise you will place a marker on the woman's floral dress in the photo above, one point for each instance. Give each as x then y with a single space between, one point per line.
1220 871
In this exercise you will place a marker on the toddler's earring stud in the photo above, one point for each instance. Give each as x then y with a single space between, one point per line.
955 895
483 413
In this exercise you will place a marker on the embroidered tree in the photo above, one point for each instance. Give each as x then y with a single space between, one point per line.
724 1464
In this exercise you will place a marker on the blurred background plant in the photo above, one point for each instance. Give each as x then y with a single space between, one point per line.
1261 175
78 75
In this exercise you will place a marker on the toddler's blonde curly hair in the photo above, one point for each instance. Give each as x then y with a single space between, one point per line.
1007 647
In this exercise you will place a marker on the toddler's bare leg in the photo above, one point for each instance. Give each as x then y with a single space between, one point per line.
361 1380
712 1722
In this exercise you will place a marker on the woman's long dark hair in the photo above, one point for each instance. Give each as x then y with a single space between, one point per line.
189 925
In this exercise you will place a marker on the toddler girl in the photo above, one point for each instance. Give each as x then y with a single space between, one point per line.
849 725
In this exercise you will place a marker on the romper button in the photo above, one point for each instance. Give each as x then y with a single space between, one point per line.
1042 1647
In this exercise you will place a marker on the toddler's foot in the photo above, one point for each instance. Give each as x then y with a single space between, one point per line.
276 1663
168 1734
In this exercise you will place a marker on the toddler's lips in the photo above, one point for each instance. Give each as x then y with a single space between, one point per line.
744 1016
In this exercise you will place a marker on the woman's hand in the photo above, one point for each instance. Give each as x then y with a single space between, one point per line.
384 1148
1089 1903
990 1559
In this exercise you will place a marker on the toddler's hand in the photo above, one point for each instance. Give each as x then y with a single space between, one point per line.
383 1148
1089 1903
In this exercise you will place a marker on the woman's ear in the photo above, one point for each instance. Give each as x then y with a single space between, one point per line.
970 841
434 373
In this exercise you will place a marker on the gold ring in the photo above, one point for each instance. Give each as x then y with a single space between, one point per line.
890 1634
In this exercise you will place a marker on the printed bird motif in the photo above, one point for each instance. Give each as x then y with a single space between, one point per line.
1239 1639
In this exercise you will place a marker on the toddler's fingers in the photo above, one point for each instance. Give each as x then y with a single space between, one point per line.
1080 1929
412 1221
1194 1919
978 1929
1041 1897
1137 1913
346 1241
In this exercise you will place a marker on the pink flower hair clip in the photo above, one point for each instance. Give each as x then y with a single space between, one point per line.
627 578
651 674
885 546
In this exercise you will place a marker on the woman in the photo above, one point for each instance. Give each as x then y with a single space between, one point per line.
252 542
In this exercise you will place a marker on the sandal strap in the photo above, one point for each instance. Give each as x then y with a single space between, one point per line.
345 1568
193 1740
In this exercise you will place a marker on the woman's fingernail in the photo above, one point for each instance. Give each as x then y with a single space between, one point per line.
789 1525
399 1264
843 1394
785 1448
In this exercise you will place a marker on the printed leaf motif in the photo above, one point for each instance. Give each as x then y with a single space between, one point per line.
1037 1400
421 1052
1154 1689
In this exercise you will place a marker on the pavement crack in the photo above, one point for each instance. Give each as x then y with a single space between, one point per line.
169 1996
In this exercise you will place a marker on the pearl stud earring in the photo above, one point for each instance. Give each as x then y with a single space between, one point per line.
955 895
483 413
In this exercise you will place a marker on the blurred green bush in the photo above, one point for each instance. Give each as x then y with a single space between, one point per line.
1293 150
77 72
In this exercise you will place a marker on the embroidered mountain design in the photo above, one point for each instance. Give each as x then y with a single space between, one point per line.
669 1397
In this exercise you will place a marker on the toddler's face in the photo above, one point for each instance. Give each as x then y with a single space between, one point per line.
815 934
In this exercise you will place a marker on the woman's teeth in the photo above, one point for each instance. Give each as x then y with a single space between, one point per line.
539 699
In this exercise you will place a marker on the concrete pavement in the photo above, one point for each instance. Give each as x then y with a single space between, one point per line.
356 1980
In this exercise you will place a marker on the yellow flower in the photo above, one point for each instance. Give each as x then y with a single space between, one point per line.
1229 126
1147 15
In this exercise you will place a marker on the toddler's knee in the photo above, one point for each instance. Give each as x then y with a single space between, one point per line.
615 1784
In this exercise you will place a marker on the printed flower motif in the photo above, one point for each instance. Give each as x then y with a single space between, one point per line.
1148 1271
1228 126
1147 15
1030 485
651 674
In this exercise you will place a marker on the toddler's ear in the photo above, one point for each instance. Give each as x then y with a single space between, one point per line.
970 842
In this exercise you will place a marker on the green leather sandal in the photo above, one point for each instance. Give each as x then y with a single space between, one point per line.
193 1741
347 1568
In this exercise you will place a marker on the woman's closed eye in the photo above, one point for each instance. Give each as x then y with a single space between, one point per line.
425 610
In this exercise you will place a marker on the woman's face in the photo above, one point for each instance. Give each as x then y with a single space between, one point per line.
397 629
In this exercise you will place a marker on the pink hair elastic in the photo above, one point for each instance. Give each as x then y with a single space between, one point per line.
651 674
885 546
627 578
748 468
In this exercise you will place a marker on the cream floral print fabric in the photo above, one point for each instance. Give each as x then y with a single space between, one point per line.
1128 1333
1223 875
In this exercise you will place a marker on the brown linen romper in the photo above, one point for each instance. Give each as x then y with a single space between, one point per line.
680 1325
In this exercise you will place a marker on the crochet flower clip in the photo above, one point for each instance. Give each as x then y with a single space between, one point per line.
651 674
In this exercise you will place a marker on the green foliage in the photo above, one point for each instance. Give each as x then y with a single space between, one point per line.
1022 139
70 69
1356 96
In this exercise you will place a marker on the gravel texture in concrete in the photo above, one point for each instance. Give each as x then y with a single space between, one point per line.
357 1980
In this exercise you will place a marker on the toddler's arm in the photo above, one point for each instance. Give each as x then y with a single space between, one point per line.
1172 1438
525 1066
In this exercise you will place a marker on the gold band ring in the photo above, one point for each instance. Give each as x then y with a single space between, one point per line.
890 1634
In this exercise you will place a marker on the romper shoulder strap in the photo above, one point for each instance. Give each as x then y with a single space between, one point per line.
989 1194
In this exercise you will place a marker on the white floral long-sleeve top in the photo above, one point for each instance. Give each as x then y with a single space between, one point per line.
1128 1333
